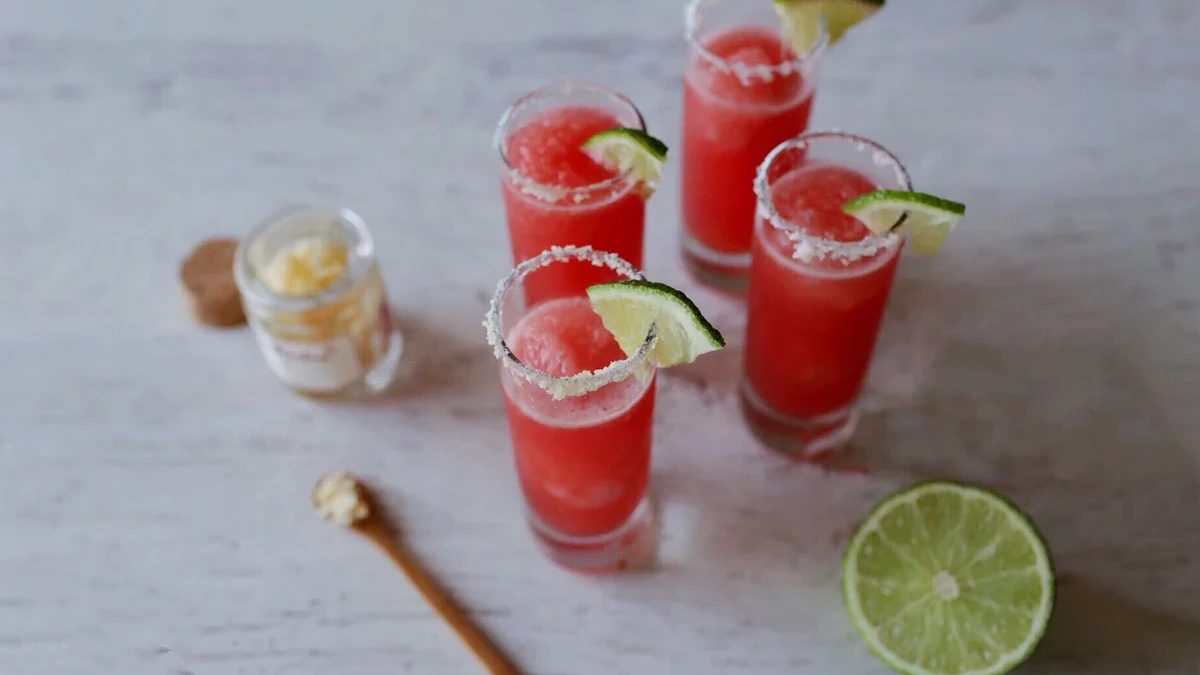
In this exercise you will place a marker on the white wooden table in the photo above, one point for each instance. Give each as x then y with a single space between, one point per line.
155 514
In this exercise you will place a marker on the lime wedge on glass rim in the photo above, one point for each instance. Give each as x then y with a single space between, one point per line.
944 578
629 151
629 307
927 217
801 19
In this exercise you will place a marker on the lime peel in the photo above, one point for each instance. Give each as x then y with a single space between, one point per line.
629 308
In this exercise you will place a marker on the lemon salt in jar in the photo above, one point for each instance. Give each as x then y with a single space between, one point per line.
313 295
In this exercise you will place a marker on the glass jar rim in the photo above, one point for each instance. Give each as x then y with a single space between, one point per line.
360 245
586 381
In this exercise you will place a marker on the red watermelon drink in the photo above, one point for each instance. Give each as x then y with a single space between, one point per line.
584 466
578 373
746 90
819 283
558 191
579 412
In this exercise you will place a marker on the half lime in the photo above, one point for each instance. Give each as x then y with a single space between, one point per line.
629 307
948 579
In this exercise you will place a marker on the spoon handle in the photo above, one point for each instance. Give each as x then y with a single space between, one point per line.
488 653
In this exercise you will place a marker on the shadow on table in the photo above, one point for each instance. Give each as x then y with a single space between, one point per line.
438 359
1095 629
1036 359
1043 376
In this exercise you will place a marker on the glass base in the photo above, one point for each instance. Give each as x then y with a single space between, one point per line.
615 551
727 272
811 439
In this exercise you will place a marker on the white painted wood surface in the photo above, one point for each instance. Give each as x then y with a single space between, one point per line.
155 515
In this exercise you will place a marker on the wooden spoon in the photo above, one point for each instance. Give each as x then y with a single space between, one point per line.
343 499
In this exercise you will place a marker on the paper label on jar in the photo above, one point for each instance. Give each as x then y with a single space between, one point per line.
311 366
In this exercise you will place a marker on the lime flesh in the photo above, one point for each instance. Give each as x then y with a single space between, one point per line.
948 579
929 218
629 152
628 309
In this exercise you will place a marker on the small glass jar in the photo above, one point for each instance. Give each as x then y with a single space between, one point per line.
316 301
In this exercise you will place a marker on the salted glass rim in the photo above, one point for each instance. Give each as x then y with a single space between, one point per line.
691 23
588 380
807 246
557 193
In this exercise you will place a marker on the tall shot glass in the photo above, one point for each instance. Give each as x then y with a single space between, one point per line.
745 90
580 414
819 284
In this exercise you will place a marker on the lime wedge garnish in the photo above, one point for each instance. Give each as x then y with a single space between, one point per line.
929 218
629 307
801 19
945 578
629 151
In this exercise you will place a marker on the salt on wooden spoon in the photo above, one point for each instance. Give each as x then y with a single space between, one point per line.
343 499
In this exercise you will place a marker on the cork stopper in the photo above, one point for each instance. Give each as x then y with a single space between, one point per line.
208 286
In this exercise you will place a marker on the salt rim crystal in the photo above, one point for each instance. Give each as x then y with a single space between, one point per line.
806 247
586 381
745 74
555 194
